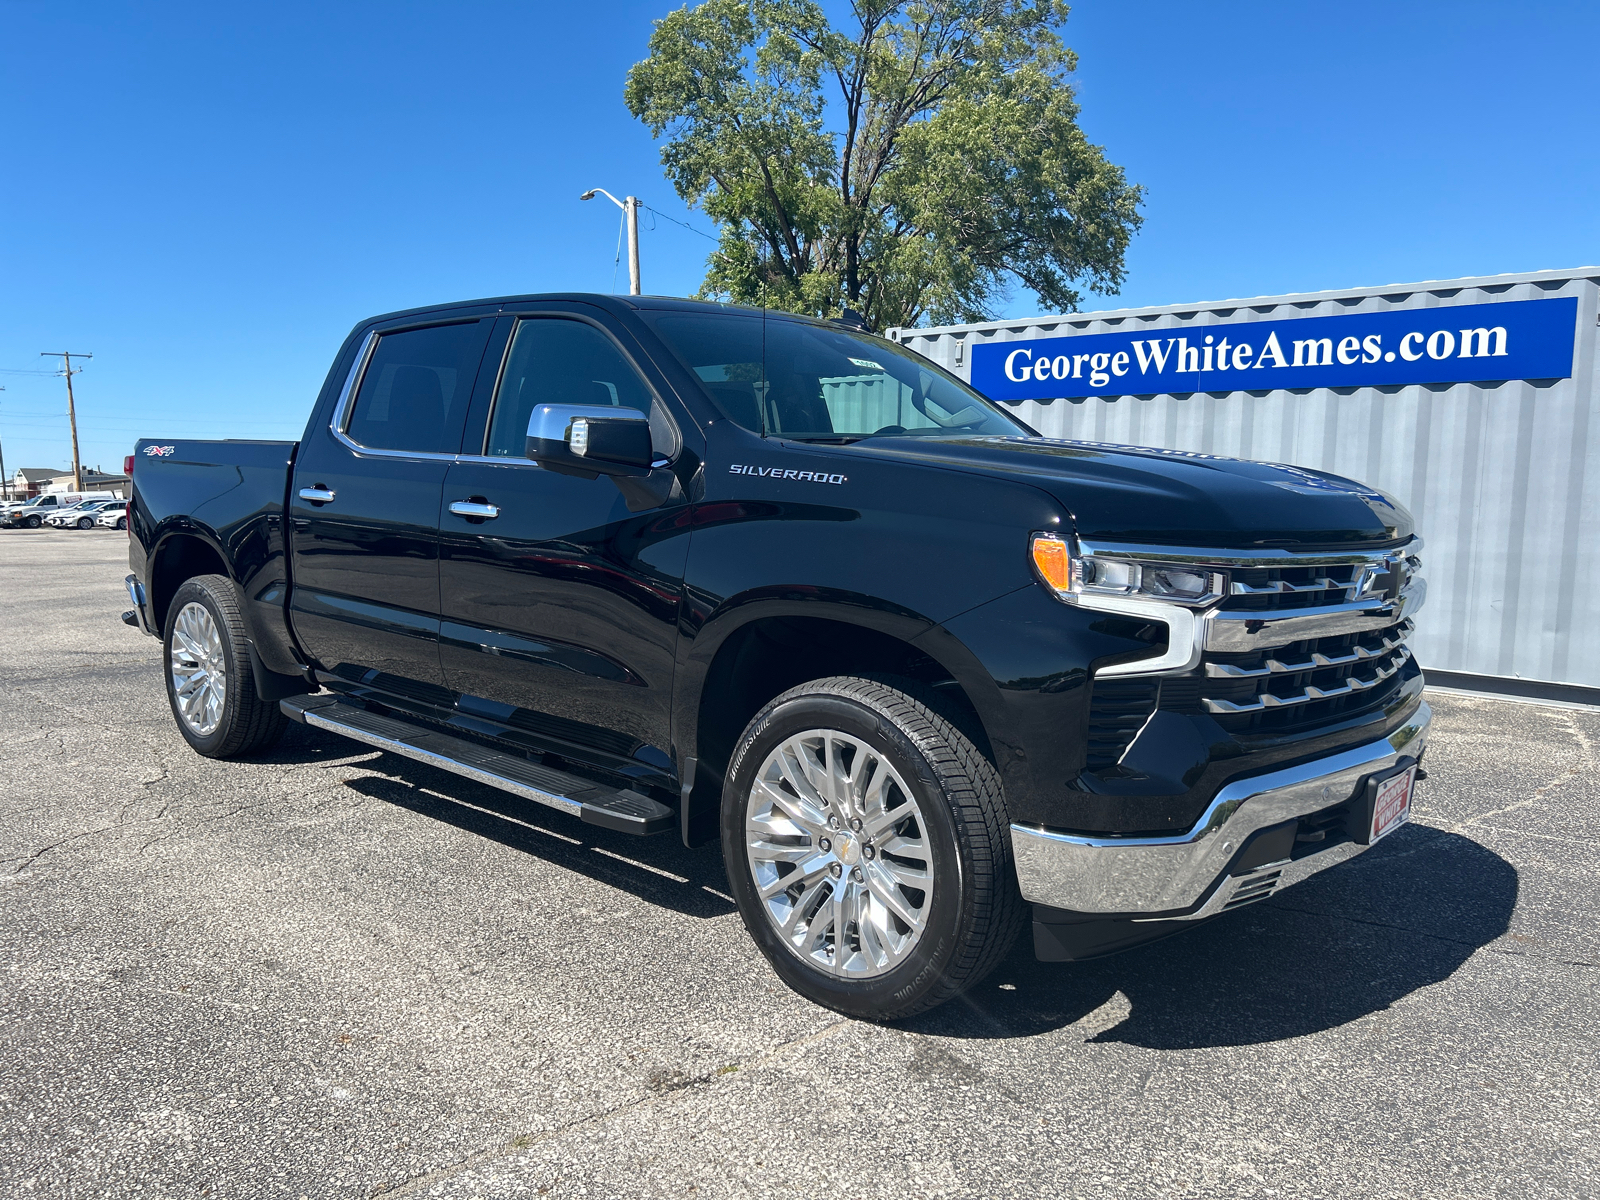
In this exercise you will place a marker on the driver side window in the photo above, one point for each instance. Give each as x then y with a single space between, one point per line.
558 361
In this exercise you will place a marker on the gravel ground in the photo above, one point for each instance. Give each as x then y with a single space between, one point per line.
337 973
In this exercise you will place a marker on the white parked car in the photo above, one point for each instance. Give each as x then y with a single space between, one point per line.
80 516
113 516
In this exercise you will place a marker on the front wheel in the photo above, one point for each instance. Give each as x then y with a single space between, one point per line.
33 522
866 844
85 522
210 684
122 522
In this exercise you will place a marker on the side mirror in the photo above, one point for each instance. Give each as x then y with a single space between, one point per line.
590 439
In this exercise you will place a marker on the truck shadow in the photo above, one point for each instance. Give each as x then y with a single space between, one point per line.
658 870
1346 943
1343 944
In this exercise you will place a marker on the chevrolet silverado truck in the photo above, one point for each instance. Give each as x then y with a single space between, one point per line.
670 566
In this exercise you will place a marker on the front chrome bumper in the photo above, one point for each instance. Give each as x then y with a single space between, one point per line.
1185 876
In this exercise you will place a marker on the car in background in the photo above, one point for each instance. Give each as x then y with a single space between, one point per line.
79 516
114 515
32 513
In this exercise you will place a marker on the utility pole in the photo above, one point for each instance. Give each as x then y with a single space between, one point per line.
631 207
66 356
630 210
5 480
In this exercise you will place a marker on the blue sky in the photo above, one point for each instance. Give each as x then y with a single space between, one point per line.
208 197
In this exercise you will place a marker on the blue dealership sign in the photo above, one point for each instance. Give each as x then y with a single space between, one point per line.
1463 343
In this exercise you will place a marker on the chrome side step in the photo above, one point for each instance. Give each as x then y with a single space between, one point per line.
625 811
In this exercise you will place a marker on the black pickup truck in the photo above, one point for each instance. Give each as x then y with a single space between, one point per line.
669 565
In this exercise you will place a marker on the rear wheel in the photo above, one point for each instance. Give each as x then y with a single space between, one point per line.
866 843
210 683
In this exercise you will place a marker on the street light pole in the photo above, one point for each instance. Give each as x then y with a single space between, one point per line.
630 210
66 356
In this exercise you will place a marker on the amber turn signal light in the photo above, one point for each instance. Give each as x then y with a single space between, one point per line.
1051 560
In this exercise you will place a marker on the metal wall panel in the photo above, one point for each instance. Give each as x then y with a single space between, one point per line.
1504 479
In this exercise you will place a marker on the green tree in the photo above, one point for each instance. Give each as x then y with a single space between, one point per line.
912 169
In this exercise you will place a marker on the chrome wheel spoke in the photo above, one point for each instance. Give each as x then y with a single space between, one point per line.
884 889
796 808
198 669
805 872
831 896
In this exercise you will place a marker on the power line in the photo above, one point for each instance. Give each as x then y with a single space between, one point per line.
679 223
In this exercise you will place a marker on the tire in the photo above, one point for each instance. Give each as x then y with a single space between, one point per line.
122 522
940 820
204 631
85 523
33 522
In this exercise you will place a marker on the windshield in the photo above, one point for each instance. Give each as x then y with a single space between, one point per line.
792 379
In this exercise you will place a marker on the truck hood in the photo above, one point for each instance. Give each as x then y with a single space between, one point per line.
1171 497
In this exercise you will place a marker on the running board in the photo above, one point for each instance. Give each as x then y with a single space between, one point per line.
626 811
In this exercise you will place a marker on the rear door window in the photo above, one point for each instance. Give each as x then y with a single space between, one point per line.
415 389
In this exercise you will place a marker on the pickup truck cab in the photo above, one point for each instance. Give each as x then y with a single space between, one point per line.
777 582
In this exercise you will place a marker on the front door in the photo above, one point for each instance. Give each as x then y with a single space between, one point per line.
364 508
560 611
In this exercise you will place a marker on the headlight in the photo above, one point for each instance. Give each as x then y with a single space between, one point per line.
1071 575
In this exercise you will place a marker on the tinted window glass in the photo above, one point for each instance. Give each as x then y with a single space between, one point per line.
554 361
416 387
793 379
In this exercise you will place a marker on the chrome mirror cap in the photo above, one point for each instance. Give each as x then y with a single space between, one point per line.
553 422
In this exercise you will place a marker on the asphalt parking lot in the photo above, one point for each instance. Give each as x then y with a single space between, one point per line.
336 973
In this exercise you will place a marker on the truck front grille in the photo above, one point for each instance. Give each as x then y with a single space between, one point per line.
1351 615
1303 672
1292 585
1297 686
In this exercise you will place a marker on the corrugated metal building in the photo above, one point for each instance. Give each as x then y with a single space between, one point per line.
1503 476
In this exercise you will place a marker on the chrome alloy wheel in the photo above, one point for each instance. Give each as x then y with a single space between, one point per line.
839 851
199 672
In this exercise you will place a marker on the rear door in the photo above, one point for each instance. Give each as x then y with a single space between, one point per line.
560 611
364 507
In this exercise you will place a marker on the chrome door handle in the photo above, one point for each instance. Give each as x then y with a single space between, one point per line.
317 495
471 508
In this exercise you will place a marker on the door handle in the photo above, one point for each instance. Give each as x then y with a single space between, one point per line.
474 508
317 495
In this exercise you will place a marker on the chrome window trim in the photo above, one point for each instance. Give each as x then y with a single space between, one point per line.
352 386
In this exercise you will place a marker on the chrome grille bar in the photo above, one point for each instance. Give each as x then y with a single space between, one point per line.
1316 661
1240 588
1353 684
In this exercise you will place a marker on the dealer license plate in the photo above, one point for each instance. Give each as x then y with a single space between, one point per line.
1391 807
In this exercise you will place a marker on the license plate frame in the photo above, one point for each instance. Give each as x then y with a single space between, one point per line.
1387 803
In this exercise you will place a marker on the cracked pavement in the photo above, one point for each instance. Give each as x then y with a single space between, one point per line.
335 973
